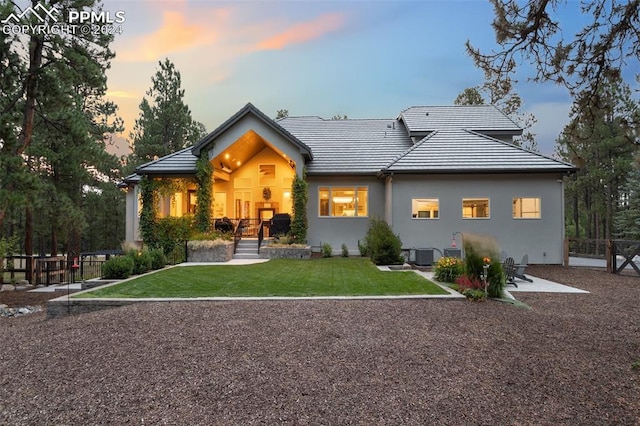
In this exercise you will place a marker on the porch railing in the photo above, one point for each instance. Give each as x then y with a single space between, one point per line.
260 234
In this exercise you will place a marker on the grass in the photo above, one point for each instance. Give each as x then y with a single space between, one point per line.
278 277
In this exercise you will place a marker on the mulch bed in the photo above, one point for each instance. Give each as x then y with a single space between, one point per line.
567 360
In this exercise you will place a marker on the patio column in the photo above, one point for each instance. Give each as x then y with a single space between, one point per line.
388 200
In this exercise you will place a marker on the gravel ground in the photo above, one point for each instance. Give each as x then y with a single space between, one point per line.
568 360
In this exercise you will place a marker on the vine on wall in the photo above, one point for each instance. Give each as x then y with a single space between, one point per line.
204 174
148 215
300 197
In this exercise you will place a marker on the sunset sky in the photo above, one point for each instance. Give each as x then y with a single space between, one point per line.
366 59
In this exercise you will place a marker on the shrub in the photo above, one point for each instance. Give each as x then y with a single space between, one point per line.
345 250
448 269
211 235
119 267
363 249
480 250
496 280
465 282
171 231
158 259
383 246
141 261
327 250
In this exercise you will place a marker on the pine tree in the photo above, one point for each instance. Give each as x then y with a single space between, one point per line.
165 124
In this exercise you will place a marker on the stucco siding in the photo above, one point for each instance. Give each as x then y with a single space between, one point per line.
541 239
342 230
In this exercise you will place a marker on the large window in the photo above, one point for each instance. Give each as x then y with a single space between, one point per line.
425 208
526 208
475 208
343 201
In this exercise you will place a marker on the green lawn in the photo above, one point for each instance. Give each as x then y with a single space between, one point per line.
278 277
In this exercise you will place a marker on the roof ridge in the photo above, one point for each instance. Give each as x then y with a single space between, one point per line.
518 147
411 149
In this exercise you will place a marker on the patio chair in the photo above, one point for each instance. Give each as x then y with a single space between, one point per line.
509 270
519 269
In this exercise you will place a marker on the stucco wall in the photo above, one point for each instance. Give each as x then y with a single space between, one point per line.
341 230
541 239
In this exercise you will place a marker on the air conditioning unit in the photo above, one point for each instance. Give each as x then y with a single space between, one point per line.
424 257
453 252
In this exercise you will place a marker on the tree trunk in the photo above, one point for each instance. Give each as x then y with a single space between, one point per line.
28 241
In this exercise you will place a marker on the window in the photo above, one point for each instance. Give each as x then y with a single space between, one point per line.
267 174
425 208
526 208
343 201
475 208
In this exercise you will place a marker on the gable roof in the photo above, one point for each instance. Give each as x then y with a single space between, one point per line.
352 146
421 120
465 151
250 109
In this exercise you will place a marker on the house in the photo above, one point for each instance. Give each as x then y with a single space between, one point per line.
431 173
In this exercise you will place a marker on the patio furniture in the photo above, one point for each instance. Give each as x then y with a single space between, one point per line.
509 270
519 269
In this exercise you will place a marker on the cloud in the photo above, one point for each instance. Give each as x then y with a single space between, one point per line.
121 94
176 33
303 32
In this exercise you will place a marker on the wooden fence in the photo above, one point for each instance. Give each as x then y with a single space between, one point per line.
620 255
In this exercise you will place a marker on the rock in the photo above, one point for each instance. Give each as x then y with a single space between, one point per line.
2 306
23 283
8 287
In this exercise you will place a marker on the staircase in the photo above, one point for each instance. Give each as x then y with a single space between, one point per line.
248 248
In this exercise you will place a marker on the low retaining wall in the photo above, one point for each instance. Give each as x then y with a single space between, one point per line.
63 306
285 252
207 251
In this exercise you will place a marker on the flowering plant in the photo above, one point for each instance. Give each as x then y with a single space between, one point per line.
486 260
447 269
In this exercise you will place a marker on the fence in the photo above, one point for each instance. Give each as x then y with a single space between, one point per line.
620 255
52 270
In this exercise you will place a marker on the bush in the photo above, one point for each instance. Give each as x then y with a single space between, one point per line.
480 250
158 259
448 269
363 249
383 246
327 250
345 250
169 232
142 261
119 267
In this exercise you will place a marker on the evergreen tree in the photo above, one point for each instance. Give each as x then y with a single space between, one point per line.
604 49
602 144
165 124
58 117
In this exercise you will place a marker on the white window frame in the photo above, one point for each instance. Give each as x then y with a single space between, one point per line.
355 188
478 199
416 215
515 199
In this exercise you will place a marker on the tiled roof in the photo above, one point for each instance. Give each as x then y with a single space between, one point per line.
180 162
484 118
463 151
353 146
453 144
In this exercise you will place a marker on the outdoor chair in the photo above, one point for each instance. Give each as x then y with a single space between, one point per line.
519 269
509 270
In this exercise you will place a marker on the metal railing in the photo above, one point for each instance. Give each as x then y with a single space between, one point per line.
260 235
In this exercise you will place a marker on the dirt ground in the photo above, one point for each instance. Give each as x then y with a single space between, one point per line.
571 359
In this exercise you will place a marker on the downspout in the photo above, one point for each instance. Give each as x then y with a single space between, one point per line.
388 199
